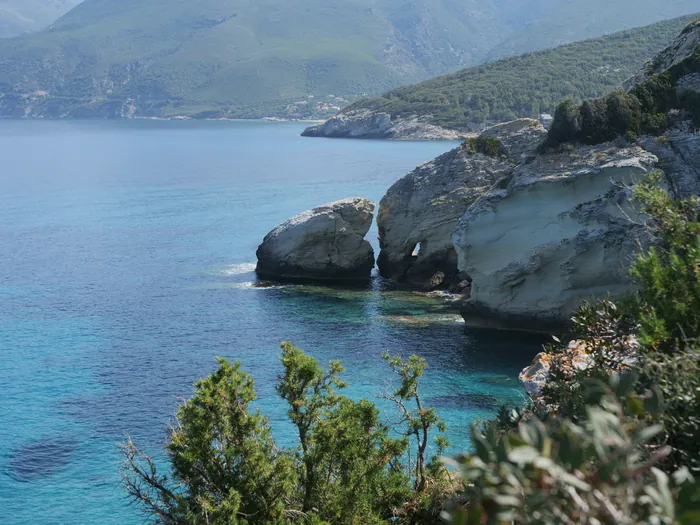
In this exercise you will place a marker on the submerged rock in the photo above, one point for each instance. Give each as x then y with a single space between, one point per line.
40 459
562 231
326 243
418 214
366 124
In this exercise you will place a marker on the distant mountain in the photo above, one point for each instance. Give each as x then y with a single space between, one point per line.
224 58
560 22
504 90
18 17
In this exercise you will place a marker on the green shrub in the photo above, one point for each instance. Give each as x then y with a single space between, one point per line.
348 467
643 110
223 461
599 469
624 113
668 300
566 125
486 146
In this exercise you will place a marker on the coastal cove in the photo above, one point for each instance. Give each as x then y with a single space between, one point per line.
124 274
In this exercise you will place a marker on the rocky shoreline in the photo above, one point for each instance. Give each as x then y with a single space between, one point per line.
364 124
525 233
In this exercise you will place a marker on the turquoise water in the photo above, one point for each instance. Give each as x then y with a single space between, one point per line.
126 258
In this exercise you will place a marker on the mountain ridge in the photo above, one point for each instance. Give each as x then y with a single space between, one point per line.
243 59
18 17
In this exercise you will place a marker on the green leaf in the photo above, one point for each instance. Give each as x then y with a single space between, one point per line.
523 455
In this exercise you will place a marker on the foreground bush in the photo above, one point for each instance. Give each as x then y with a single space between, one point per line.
600 469
348 466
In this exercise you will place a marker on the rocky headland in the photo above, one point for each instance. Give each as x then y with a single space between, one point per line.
365 124
526 228
326 243
537 230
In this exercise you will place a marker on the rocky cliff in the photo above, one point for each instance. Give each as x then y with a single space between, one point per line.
366 124
419 212
536 232
682 48
560 232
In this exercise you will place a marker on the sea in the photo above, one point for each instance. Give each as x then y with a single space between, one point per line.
127 256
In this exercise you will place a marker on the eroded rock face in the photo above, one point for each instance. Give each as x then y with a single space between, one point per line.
559 233
419 212
678 150
326 243
365 124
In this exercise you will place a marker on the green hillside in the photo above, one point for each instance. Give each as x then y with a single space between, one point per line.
531 84
25 16
245 58
233 57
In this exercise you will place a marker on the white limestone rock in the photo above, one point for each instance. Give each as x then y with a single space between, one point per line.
559 233
418 214
326 243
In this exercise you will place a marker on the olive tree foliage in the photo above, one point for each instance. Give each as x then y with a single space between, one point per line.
602 469
667 308
668 301
225 468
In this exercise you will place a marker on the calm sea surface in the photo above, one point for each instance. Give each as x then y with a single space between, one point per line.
126 258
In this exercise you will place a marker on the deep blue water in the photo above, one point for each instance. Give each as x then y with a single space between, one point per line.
126 257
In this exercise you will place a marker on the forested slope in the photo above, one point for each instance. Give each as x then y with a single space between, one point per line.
528 85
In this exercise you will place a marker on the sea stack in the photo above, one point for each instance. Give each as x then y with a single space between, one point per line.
324 244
